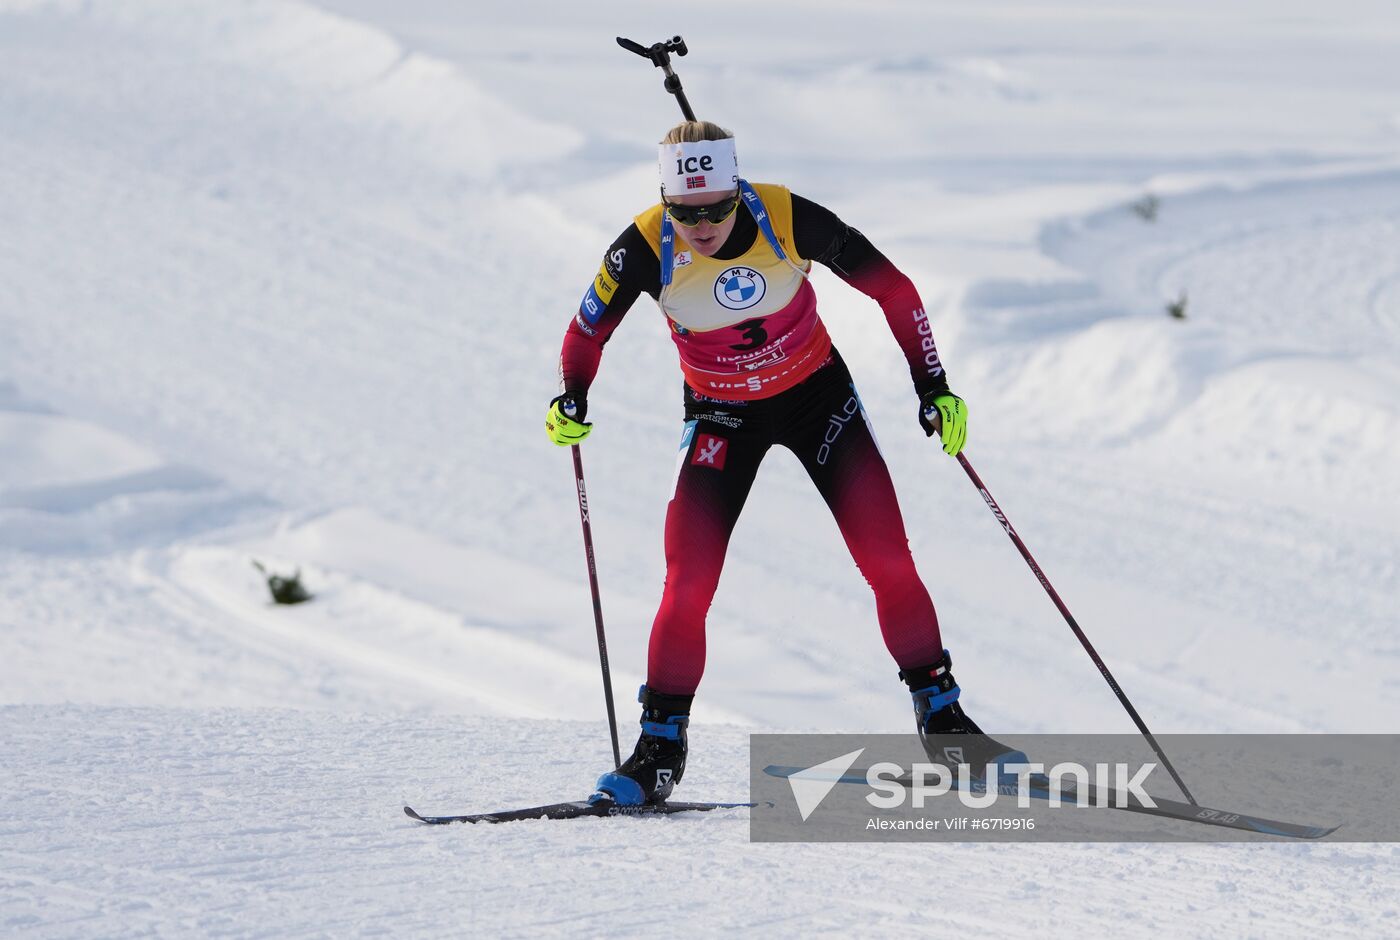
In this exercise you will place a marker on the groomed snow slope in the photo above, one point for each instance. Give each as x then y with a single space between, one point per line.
288 282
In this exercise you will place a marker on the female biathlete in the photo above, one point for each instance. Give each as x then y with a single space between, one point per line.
727 261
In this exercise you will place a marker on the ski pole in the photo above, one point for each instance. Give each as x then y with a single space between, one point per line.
660 55
597 601
1069 618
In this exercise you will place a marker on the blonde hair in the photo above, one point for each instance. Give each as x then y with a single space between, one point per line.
687 132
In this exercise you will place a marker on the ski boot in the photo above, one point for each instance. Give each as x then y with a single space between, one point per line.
948 735
658 760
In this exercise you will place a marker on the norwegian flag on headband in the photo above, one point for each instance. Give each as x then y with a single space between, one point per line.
694 166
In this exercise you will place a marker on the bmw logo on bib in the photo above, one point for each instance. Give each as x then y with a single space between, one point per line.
739 288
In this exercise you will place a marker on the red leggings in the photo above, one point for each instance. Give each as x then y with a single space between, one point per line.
823 423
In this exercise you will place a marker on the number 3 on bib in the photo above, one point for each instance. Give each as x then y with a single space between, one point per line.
753 331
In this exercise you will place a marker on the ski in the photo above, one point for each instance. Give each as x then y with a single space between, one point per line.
575 810
1169 809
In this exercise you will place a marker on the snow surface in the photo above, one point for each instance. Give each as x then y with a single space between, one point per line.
287 282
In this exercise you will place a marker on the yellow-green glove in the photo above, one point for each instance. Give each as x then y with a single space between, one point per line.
564 423
945 414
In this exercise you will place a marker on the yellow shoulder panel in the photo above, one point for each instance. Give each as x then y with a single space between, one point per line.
649 224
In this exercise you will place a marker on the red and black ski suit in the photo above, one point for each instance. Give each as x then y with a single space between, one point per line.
760 381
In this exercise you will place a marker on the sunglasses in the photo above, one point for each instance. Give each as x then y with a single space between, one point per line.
714 213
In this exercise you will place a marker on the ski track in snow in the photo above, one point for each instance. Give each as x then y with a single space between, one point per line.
288 283
296 816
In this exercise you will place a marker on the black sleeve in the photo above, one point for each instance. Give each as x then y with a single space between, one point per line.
631 262
629 267
819 234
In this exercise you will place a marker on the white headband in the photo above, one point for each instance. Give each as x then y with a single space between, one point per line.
701 166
